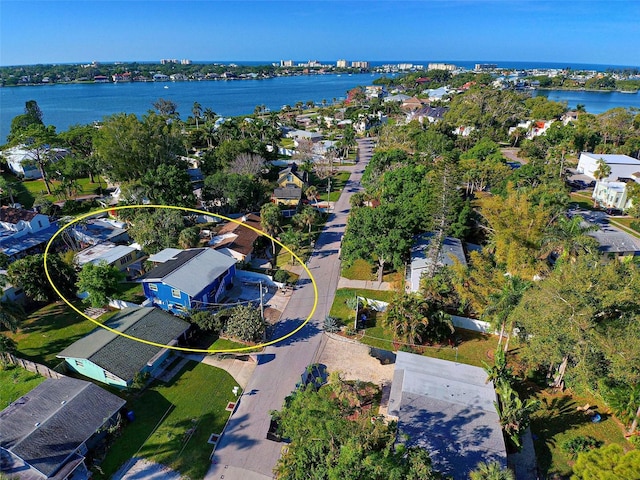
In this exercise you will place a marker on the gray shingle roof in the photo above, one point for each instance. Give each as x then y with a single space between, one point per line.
45 426
122 356
447 408
192 271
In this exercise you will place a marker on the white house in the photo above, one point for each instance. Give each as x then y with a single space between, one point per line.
614 194
22 160
451 251
622 166
18 222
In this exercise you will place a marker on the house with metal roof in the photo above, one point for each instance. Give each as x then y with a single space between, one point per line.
22 160
184 280
124 257
448 409
115 359
98 230
622 166
47 433
23 232
450 251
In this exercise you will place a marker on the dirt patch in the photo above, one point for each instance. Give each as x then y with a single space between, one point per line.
354 361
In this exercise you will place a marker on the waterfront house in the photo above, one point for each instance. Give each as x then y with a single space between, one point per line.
22 159
115 359
450 251
236 239
446 408
184 280
47 433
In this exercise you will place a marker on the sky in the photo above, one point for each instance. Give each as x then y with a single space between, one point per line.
54 31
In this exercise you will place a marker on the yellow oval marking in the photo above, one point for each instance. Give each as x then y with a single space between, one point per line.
172 347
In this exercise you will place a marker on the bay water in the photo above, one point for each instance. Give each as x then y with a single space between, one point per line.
64 105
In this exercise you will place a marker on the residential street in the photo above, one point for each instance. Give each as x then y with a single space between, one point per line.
243 452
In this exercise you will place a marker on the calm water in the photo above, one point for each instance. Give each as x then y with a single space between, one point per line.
66 105
594 102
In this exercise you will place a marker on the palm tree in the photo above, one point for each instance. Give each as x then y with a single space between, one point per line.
197 111
312 194
502 303
600 173
209 115
568 237
491 471
407 316
306 218
271 221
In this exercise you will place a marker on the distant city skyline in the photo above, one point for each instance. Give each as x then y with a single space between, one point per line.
49 32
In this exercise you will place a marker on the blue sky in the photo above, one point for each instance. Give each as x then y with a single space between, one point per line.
502 30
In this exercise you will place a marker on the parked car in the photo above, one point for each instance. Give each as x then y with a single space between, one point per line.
614 212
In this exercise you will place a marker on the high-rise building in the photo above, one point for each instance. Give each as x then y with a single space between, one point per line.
485 66
341 64
286 63
360 64
441 66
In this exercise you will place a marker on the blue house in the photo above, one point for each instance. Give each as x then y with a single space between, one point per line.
114 359
186 279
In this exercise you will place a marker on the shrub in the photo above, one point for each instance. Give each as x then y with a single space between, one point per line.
331 324
281 276
579 444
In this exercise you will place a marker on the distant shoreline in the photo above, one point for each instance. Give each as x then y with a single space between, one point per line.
595 90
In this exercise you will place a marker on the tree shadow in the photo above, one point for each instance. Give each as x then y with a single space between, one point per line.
556 415
457 438
287 326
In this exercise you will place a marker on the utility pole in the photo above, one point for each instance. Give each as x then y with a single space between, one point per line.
261 302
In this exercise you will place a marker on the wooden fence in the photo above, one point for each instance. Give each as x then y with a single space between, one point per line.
31 366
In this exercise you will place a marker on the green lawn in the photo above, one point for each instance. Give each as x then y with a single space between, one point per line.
557 421
363 270
339 308
49 330
360 270
338 182
130 292
29 190
15 383
194 401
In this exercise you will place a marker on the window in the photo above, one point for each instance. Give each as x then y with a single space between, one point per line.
125 259
153 287
175 293
79 363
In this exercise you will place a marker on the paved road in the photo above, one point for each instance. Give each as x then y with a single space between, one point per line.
243 452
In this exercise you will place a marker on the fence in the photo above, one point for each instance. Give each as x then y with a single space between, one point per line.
30 366
472 324
120 304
